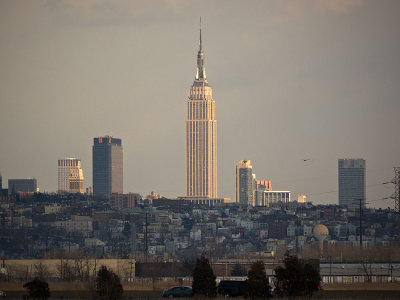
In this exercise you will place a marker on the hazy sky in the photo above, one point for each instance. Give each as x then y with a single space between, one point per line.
292 80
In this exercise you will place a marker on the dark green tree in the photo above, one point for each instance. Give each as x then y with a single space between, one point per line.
204 279
187 223
108 285
37 289
238 271
296 279
312 279
188 267
256 286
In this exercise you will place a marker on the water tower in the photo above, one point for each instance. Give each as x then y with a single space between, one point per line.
320 233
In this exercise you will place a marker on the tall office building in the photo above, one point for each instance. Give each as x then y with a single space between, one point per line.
245 183
107 166
25 186
201 136
351 182
70 176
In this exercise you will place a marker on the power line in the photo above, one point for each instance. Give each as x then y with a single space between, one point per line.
346 189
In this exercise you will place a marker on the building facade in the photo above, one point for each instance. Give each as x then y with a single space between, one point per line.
107 166
301 199
201 136
123 201
70 176
266 198
265 184
351 183
245 183
22 185
82 225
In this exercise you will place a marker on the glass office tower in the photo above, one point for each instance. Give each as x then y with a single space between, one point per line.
352 183
107 166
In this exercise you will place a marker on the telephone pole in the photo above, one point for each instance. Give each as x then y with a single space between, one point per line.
361 205
396 196
145 241
360 224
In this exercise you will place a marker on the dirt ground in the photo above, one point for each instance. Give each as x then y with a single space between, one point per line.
81 290
84 286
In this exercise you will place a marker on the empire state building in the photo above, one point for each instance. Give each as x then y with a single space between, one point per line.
201 136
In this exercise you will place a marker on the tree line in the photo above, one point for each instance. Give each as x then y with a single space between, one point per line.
107 286
293 279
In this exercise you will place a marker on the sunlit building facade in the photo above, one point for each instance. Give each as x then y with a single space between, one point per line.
267 198
201 136
70 176
245 183
265 184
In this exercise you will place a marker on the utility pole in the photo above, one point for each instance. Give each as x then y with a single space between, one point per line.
145 240
133 232
360 222
360 233
396 196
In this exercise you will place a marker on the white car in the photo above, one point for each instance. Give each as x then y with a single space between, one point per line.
3 294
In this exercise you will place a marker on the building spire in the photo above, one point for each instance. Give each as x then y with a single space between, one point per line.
201 71
200 43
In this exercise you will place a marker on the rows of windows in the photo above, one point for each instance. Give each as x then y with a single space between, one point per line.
203 110
201 158
69 162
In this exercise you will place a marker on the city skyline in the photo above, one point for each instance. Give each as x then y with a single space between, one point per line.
298 85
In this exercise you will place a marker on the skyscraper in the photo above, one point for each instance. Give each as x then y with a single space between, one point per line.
351 182
107 166
245 183
70 176
201 135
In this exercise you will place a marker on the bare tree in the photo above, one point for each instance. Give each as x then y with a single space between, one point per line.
66 270
367 267
41 271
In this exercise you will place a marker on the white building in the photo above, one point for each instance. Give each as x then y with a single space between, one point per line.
70 176
266 198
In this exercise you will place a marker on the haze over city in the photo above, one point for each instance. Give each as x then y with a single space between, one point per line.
297 85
